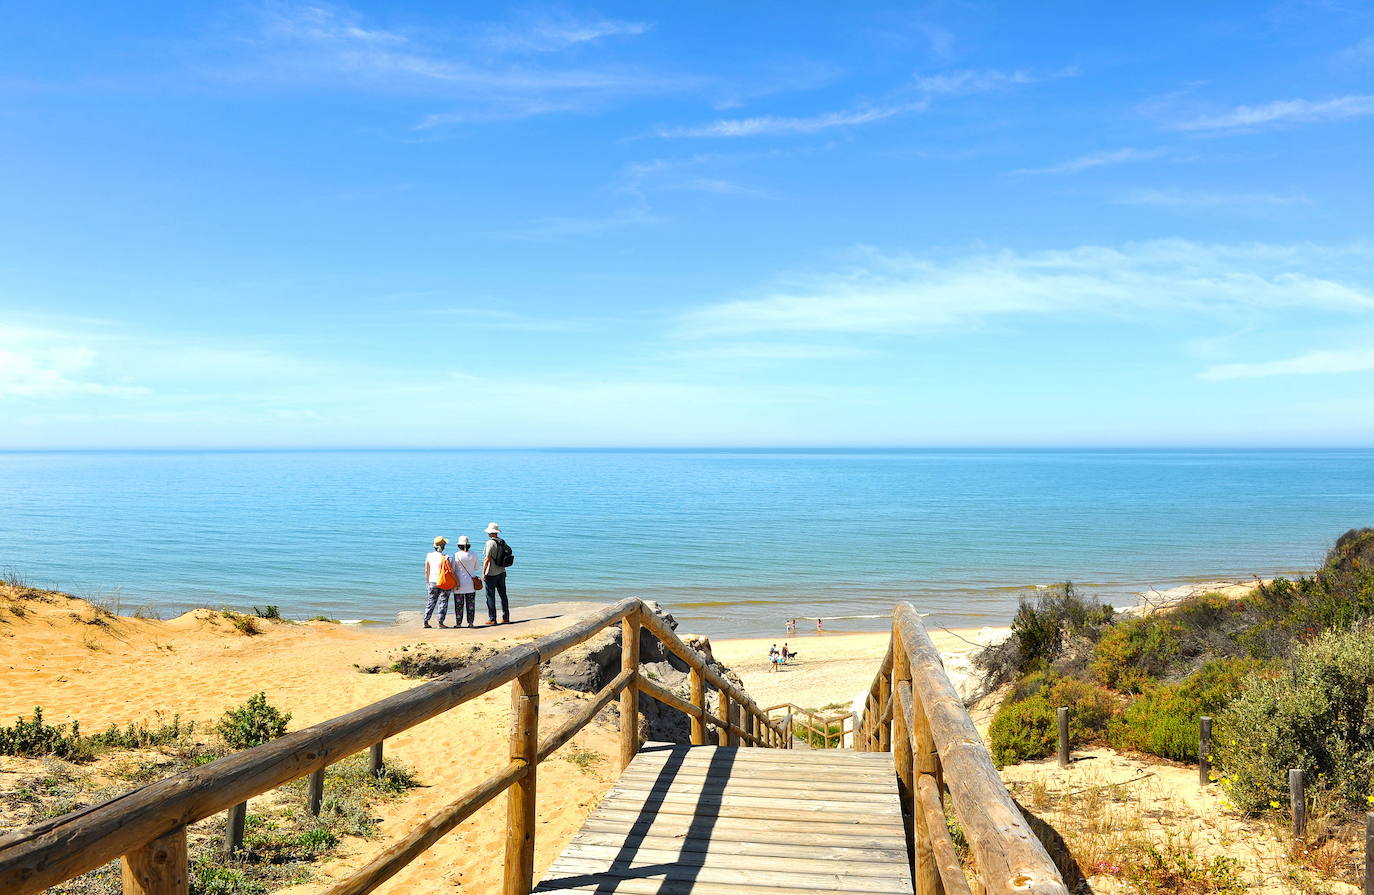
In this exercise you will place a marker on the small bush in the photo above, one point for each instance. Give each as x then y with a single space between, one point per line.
210 878
1164 721
35 737
268 612
252 724
244 624
140 736
1130 654
1023 731
1317 715
1174 871
1040 632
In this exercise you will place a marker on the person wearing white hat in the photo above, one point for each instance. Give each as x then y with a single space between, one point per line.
496 558
465 593
440 580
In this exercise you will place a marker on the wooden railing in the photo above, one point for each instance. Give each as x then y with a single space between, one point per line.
805 723
913 711
147 827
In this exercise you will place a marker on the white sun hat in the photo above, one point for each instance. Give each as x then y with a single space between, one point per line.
493 528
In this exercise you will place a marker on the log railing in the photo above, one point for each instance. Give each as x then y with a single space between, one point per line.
813 727
913 711
147 827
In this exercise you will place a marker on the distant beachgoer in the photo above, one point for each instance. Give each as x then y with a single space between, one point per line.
469 582
440 580
787 654
818 626
791 627
773 659
496 558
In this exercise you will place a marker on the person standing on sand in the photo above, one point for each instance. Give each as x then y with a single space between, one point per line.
440 580
494 555
465 593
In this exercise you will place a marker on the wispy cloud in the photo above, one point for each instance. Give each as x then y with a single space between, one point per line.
546 32
1122 156
487 72
778 125
1359 55
900 293
969 81
1294 111
1313 363
1204 199
908 98
45 365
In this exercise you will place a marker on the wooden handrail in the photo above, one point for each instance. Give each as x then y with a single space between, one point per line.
913 711
147 826
817 725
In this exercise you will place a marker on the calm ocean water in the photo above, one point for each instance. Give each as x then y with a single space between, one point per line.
733 542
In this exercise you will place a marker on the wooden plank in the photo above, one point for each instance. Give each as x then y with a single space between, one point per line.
640 855
741 829
765 803
765 777
760 879
656 886
818 815
779 847
875 801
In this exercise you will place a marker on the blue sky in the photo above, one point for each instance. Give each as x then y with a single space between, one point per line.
319 224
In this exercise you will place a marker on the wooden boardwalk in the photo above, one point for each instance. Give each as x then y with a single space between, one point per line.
719 821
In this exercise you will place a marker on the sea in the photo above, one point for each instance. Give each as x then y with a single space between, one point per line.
732 542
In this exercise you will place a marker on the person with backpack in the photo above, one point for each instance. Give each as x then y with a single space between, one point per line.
441 580
496 558
469 582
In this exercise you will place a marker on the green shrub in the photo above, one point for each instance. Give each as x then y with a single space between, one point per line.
1164 720
252 724
1023 731
1317 714
1040 632
268 612
210 878
35 737
1129 655
140 736
1091 709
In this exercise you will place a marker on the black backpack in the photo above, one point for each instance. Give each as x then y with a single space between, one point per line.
505 557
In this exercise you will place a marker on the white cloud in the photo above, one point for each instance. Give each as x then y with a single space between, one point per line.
53 370
1121 156
548 33
1176 198
900 293
1284 111
969 81
776 125
1358 360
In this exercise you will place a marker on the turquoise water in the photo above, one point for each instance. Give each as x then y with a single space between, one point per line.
733 542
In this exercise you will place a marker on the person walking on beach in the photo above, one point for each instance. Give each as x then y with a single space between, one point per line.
496 558
440 580
469 582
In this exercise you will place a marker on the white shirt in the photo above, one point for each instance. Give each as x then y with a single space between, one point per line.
433 564
465 566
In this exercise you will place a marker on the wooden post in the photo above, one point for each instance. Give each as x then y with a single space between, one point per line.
316 792
1297 799
1369 854
1204 750
629 697
524 749
731 722
884 727
375 760
158 868
723 706
698 685
233 830
926 761
901 748
1063 736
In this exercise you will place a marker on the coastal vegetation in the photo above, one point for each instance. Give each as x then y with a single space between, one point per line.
1287 671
